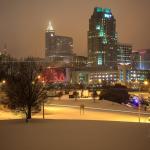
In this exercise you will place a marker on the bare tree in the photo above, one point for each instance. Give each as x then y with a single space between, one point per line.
25 93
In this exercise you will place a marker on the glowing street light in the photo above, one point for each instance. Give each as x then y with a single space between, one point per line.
39 77
100 80
4 81
145 82
90 81
43 82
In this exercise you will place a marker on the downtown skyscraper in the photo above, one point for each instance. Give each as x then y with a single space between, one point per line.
58 49
102 39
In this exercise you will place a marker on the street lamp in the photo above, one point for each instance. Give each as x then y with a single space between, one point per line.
39 77
145 82
90 81
139 110
43 101
99 80
4 81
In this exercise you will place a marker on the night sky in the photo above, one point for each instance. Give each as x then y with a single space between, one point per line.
23 23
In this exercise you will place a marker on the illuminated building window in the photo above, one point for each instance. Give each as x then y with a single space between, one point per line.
100 59
107 10
98 27
99 9
107 16
105 41
101 33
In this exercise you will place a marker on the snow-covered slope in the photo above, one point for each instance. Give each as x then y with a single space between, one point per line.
73 135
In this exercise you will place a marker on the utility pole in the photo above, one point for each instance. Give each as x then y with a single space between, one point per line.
43 111
139 112
43 101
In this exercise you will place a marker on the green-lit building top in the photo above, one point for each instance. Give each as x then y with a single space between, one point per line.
102 41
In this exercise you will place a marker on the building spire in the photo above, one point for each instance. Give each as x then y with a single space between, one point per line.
50 27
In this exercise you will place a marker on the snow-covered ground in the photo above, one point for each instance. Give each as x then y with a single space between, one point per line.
67 129
89 103
70 110
73 135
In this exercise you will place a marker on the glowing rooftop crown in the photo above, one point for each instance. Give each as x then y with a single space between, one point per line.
50 27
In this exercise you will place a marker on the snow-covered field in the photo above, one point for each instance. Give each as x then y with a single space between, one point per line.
73 135
66 129
70 110
89 103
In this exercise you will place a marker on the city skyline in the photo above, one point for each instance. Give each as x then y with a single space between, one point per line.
23 24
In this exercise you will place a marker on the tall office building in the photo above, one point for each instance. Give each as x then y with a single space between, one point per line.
58 48
102 38
136 60
124 52
145 59
141 59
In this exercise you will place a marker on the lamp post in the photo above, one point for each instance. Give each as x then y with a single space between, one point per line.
146 83
3 82
43 110
139 110
43 82
43 102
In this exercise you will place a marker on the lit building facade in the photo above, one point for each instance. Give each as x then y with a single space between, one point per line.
138 75
144 59
124 52
79 61
94 76
136 60
58 48
107 76
141 59
102 38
